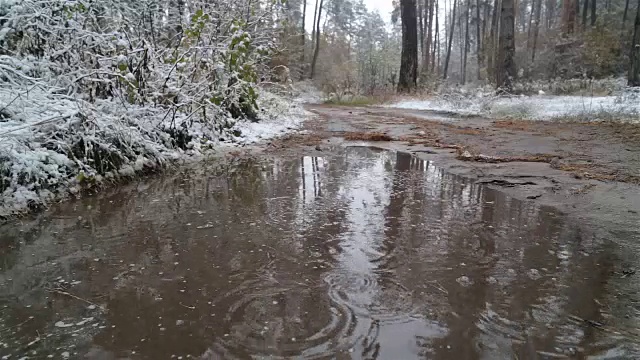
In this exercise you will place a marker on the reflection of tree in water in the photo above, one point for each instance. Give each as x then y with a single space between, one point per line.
266 235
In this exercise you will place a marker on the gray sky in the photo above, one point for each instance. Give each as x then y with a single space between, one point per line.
384 7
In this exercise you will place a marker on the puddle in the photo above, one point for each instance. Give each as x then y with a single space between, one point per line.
363 254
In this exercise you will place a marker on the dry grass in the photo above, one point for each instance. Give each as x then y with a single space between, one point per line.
372 136
519 125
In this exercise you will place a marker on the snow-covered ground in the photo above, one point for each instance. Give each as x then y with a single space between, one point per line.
52 146
542 107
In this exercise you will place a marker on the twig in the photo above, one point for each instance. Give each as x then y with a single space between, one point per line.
188 307
56 291
43 122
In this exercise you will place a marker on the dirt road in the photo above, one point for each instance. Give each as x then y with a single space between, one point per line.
591 171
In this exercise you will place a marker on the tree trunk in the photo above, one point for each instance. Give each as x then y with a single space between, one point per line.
409 57
303 39
585 12
593 12
634 68
430 32
493 36
536 31
461 37
317 50
466 44
506 66
453 24
577 12
436 65
551 12
568 17
422 24
624 15
533 6
313 27
478 40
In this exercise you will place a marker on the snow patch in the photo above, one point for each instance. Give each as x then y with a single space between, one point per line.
542 107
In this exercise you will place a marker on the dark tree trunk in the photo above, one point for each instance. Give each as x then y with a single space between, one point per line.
536 31
577 12
317 49
568 16
624 15
550 8
303 39
493 36
422 24
533 6
409 57
436 65
506 66
593 12
453 25
313 27
634 68
478 41
432 4
585 12
466 44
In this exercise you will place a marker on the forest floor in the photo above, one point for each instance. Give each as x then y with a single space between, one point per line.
589 169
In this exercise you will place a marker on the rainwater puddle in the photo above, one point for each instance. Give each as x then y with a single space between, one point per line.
365 254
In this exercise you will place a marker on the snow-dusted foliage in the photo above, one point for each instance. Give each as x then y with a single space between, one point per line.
96 90
622 104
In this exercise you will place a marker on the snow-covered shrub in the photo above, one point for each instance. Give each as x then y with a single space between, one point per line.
97 90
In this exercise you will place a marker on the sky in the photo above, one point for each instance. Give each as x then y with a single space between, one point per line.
384 7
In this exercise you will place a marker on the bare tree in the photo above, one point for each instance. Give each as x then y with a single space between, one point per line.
634 67
303 38
436 67
313 26
550 6
453 24
585 12
317 50
536 30
506 66
409 57
478 40
466 44
626 10
430 31
568 16
491 48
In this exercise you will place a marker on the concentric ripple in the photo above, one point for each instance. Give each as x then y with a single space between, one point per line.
280 321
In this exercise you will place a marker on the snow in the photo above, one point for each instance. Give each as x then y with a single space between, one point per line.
307 93
625 106
37 167
284 116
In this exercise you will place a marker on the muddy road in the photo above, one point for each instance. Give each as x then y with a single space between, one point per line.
317 247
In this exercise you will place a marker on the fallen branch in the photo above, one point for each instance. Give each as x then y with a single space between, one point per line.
56 291
43 122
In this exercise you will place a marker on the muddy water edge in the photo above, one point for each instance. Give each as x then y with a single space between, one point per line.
363 254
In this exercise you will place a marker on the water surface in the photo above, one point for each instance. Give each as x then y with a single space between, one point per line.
364 254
